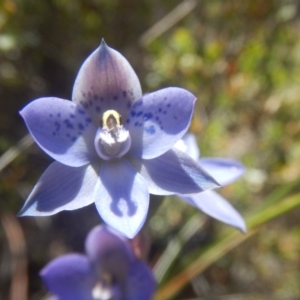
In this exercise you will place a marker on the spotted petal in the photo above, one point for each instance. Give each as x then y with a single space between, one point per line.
217 207
109 251
224 170
173 172
106 81
140 282
62 129
122 197
69 277
61 188
158 120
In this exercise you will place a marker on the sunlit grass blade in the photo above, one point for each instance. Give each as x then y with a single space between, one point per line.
224 244
14 151
175 245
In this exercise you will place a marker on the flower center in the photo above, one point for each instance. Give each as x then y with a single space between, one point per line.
106 289
112 140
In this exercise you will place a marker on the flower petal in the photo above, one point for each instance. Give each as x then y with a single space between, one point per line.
109 251
217 207
158 120
224 170
62 129
106 81
141 284
61 188
173 172
122 197
69 277
191 145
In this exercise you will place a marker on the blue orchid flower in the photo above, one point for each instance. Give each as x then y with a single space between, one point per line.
109 271
112 145
225 171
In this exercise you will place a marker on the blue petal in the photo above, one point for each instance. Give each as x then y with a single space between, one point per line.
173 172
61 188
122 197
217 207
69 277
224 170
141 284
109 251
191 145
106 81
62 129
158 120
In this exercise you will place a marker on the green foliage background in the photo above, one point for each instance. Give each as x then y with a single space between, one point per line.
241 59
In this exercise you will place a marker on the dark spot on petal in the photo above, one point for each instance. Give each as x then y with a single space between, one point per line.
96 97
175 117
98 109
91 102
50 115
58 115
139 113
133 113
102 99
68 124
160 110
54 133
81 126
72 116
147 116
89 120
85 105
169 105
57 126
136 124
157 118
124 93
161 128
150 129
74 138
164 112
115 98
81 111
128 104
68 135
127 121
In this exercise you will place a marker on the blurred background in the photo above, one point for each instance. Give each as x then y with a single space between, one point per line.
242 60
